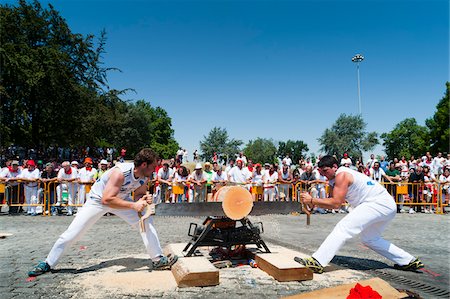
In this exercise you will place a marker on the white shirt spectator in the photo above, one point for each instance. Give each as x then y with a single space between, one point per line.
287 161
66 176
240 176
270 179
377 175
87 175
220 177
30 175
346 162
165 175
198 177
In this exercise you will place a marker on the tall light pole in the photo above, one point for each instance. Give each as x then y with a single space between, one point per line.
357 59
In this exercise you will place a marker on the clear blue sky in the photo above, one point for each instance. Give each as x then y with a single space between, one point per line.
273 69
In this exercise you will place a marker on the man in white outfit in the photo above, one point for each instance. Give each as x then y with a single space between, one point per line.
373 209
112 194
30 175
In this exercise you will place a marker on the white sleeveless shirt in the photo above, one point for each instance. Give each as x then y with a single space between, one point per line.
130 183
363 188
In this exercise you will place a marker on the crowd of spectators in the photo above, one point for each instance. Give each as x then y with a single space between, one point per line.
173 181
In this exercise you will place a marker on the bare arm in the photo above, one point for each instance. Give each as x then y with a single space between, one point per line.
342 181
111 191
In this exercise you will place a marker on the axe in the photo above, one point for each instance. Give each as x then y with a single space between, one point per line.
149 210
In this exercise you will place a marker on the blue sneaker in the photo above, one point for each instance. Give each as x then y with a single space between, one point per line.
164 263
39 269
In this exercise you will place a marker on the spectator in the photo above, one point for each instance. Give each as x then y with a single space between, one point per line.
67 176
198 180
180 153
371 161
394 175
346 161
444 180
49 177
164 175
287 160
185 156
384 164
219 178
428 191
180 179
285 178
30 176
195 156
208 176
437 165
270 178
309 180
11 175
363 169
86 175
257 183
377 174
102 169
239 175
243 158
416 180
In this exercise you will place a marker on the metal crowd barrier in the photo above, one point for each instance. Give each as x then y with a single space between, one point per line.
53 196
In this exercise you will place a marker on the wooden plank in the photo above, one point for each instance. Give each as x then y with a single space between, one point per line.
342 291
195 272
282 267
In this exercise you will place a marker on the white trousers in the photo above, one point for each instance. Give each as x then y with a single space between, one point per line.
369 220
91 212
31 198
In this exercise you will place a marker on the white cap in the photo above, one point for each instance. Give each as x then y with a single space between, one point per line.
74 163
198 166
104 162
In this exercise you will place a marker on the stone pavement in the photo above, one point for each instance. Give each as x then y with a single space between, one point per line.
110 261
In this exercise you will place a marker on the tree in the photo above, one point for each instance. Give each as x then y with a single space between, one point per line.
53 89
218 142
49 75
406 139
296 149
261 150
439 126
348 135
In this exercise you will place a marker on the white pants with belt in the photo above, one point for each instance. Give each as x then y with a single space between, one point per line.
370 220
91 212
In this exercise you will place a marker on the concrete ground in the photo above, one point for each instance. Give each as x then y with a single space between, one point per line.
110 260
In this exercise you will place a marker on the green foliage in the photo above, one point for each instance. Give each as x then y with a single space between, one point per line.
439 125
54 89
261 150
406 139
218 142
348 135
296 149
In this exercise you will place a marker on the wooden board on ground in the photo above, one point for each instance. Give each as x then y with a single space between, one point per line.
282 267
342 291
195 272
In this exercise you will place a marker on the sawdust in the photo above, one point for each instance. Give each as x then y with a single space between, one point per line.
117 280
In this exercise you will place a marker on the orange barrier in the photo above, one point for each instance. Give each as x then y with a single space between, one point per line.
55 195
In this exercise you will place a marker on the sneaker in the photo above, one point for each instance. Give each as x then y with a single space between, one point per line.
165 262
69 213
427 211
310 263
402 211
411 211
39 269
415 265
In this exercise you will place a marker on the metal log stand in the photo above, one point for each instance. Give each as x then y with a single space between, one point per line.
224 232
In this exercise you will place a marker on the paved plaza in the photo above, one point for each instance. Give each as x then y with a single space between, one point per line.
110 260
